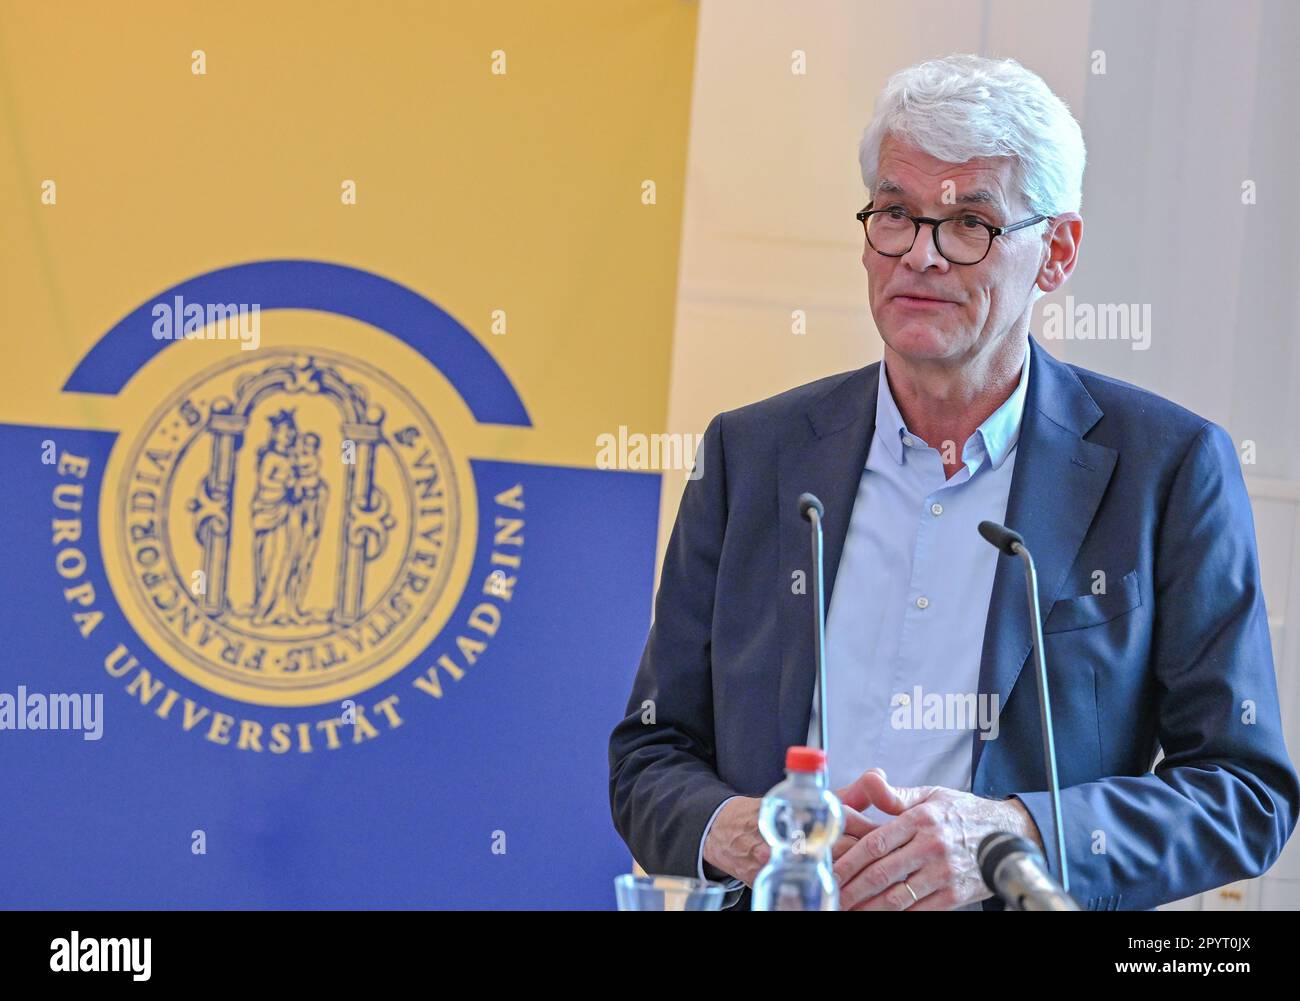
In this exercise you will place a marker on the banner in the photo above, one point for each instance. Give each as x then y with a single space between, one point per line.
315 590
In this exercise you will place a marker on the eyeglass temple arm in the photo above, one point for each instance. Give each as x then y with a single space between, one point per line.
1000 230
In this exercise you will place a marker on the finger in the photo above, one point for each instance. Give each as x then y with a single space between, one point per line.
871 847
856 825
842 845
855 795
874 886
892 799
926 882
941 900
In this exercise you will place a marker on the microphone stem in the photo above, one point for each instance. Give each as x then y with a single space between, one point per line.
819 627
1045 710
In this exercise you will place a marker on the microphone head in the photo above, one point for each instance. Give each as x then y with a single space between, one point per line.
995 848
808 503
1001 537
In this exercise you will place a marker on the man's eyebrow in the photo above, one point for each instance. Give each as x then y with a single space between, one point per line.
979 197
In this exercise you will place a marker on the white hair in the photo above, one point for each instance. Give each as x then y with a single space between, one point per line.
965 106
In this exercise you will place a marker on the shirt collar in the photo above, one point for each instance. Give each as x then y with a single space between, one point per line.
996 437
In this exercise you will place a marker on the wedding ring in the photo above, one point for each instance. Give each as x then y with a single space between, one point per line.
915 898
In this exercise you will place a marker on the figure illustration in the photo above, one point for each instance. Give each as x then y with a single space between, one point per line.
274 534
288 509
310 496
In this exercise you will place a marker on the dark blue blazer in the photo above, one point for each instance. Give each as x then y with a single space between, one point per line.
1175 655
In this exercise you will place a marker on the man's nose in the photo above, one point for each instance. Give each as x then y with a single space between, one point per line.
924 254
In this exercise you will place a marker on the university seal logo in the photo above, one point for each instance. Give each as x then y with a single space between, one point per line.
293 556
288 520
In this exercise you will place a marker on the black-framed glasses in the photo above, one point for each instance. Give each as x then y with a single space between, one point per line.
962 239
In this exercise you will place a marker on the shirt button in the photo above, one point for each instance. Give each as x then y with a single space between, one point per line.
923 602
904 699
907 441
936 509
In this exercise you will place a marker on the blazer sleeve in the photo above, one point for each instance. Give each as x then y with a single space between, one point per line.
1221 804
663 785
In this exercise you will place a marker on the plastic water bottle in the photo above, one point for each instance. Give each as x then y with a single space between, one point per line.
800 819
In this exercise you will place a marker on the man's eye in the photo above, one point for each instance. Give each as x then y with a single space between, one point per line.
896 212
971 222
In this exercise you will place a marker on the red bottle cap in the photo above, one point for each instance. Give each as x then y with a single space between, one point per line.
805 759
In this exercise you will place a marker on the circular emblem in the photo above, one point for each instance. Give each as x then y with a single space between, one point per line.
287 522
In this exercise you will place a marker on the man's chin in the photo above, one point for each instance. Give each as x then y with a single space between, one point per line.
919 342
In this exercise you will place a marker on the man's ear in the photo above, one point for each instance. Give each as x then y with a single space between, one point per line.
1063 241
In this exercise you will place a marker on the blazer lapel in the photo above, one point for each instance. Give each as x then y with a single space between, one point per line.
823 455
1058 482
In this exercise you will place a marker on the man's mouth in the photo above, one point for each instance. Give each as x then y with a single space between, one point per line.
922 301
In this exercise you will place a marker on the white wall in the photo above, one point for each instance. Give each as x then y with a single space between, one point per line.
1195 99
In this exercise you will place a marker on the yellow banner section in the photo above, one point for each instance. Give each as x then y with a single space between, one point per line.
519 164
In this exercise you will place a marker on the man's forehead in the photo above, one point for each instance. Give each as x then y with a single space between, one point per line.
980 194
905 170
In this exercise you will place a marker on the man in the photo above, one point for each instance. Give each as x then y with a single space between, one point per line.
1156 637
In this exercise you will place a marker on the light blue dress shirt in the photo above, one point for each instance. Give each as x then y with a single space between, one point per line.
910 600
907 613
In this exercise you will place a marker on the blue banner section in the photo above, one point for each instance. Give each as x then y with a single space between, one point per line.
492 793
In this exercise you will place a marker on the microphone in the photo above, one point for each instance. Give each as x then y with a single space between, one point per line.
810 509
1001 537
1011 544
808 504
1014 870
